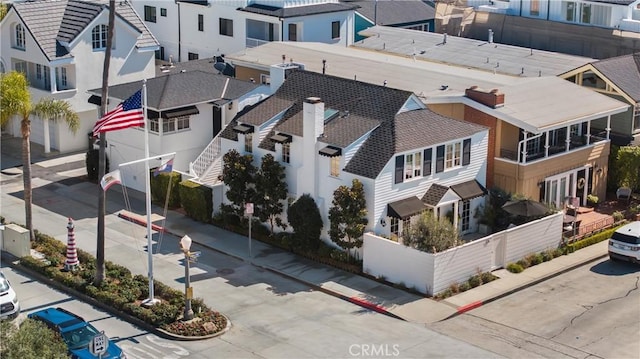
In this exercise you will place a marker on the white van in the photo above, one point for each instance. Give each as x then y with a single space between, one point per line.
624 244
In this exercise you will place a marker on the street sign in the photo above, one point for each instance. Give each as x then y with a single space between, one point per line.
248 208
99 344
189 293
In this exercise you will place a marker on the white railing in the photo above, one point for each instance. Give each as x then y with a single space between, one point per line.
210 154
255 42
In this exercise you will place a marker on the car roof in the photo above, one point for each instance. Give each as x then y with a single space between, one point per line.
631 229
57 317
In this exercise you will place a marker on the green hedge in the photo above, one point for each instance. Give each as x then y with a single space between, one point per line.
160 187
596 238
197 201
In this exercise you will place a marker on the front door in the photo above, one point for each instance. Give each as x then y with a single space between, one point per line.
217 120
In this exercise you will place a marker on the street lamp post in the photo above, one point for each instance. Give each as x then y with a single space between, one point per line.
185 242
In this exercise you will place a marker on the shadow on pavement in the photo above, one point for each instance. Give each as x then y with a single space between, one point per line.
615 268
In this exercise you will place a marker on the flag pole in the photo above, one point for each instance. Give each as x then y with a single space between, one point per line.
151 300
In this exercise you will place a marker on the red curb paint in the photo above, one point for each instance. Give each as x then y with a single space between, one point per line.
155 227
368 305
470 306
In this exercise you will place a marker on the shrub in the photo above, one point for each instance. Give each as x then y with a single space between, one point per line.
163 184
547 255
465 286
535 259
596 238
524 263
474 281
617 216
487 277
515 267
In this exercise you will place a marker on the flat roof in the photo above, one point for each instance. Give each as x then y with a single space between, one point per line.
423 78
470 53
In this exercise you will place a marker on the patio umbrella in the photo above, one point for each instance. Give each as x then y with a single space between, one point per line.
525 208
72 253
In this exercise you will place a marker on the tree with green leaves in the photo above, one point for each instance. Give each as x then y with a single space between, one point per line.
430 234
15 100
304 216
239 175
3 10
271 191
627 167
348 216
31 340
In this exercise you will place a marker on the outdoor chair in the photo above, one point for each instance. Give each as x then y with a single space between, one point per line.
624 193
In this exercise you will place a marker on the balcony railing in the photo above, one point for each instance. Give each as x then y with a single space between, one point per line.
255 42
576 142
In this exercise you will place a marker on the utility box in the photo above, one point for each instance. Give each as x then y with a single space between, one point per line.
16 240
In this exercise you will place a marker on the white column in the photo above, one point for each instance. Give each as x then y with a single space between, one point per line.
47 140
54 80
588 134
608 125
567 139
546 144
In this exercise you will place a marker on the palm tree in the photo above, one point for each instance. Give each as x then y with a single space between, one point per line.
15 100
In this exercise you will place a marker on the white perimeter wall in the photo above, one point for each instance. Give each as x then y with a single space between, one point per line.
432 273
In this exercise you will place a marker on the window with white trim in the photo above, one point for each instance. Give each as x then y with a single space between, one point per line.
99 37
286 152
413 165
453 155
154 125
335 166
20 38
38 71
149 13
175 124
21 66
226 27
394 228
335 30
248 142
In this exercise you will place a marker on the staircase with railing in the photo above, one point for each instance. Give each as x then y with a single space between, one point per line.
207 168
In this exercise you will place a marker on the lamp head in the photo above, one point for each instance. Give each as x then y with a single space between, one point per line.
185 242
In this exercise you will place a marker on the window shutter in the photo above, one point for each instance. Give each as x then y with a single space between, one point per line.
426 162
466 152
399 169
440 159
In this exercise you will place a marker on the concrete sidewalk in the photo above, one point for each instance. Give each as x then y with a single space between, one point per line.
360 290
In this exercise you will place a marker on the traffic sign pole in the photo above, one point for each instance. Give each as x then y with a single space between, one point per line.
248 208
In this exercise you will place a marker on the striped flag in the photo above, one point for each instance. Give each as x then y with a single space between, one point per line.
127 114
166 167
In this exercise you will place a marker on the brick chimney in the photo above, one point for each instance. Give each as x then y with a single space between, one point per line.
492 98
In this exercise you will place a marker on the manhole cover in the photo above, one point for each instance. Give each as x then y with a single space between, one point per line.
225 271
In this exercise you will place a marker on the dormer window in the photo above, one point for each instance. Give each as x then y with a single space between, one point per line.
99 37
19 37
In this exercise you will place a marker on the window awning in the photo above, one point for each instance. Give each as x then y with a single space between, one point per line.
468 190
244 129
330 151
96 100
405 208
183 111
281 138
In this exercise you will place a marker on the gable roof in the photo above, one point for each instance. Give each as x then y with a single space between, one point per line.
392 13
182 89
296 11
624 72
52 21
362 108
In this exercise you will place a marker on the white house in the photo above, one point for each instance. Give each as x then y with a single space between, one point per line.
327 131
187 106
623 15
60 46
193 29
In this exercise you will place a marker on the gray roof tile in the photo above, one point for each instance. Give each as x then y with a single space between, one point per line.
296 11
434 194
51 21
389 13
624 71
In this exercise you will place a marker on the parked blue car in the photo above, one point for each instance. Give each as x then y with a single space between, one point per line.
76 333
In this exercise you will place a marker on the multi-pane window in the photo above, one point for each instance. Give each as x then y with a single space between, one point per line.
335 166
248 142
413 165
335 30
21 66
192 56
286 152
175 124
569 9
150 13
163 12
200 22
39 72
99 37
453 155
636 119
154 125
226 27
395 228
19 37
61 78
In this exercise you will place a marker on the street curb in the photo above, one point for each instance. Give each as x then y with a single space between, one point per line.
354 300
14 262
473 305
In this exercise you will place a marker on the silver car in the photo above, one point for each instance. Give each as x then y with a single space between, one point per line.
9 305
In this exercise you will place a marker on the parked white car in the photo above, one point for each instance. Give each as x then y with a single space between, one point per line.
9 305
624 244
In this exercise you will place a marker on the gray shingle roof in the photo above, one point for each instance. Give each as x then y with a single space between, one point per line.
391 13
51 21
182 89
624 71
297 10
434 194
363 108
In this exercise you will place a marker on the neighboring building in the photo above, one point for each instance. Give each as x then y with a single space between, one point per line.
407 14
544 107
186 110
193 29
543 142
327 131
59 45
623 15
617 77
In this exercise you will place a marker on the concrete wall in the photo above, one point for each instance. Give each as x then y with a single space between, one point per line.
433 273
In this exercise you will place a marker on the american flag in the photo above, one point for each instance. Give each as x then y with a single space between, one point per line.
127 114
